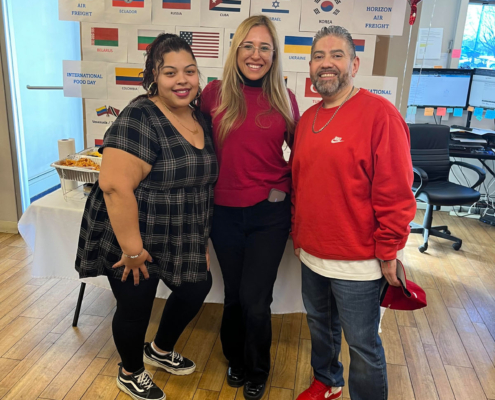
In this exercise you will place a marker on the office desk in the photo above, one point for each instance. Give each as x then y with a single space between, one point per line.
480 157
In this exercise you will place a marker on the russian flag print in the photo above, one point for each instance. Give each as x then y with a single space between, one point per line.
177 4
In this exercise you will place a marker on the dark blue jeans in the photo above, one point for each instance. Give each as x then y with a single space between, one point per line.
354 306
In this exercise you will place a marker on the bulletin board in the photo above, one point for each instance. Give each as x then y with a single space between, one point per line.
115 34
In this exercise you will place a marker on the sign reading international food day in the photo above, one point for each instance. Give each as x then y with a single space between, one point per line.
85 79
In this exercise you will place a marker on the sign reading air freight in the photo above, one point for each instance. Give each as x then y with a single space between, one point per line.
365 50
125 81
128 11
224 13
104 42
315 14
175 12
295 49
86 79
284 14
81 10
379 17
206 44
140 37
100 114
227 42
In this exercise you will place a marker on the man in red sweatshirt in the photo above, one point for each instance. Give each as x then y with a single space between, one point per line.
352 204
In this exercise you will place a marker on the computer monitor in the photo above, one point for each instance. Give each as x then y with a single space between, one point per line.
483 88
432 87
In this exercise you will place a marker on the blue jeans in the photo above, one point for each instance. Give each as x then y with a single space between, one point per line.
354 306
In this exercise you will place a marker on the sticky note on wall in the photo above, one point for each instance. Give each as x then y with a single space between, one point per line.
490 114
450 110
441 111
457 112
429 111
478 112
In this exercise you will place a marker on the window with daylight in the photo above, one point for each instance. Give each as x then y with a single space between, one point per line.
478 42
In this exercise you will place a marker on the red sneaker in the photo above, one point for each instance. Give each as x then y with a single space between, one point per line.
320 391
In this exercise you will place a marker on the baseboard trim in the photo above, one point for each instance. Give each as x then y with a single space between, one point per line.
8 227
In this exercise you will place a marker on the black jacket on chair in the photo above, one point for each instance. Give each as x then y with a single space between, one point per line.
431 166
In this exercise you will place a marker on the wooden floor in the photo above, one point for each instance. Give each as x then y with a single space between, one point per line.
446 351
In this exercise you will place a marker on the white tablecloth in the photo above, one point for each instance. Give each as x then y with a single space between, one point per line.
50 227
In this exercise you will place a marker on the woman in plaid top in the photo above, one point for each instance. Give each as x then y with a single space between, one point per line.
148 218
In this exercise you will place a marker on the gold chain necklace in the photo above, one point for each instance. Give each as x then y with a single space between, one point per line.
334 114
194 132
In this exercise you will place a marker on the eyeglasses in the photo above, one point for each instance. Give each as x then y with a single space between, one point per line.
262 50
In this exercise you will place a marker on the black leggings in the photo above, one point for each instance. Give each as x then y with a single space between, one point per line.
134 304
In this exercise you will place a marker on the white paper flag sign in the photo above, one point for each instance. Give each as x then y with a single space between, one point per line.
176 12
384 86
306 93
125 81
128 11
227 42
315 14
379 17
285 14
81 10
104 42
100 114
85 79
365 50
206 44
208 75
295 49
224 13
290 80
140 37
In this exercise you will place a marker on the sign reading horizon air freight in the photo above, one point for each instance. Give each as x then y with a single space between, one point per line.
125 81
224 13
104 42
81 10
284 14
86 79
128 11
100 114
379 17
206 44
295 49
175 12
228 35
365 50
315 14
140 37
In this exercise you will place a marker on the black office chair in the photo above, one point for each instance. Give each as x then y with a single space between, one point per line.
431 166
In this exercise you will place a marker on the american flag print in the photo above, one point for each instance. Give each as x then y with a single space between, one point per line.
203 44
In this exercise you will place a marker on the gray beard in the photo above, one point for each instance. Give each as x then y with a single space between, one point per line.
328 89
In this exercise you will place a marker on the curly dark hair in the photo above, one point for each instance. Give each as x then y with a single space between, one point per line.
163 44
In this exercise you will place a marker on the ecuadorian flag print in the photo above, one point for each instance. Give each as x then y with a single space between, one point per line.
298 44
128 76
128 3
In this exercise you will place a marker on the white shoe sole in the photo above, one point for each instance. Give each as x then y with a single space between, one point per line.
128 392
171 370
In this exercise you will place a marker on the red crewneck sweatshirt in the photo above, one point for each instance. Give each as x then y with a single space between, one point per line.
251 160
352 181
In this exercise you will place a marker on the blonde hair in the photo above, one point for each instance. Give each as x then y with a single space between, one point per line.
231 96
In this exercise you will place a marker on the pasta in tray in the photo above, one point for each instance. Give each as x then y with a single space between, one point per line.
81 163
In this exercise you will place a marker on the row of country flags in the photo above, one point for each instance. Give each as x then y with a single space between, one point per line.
203 44
277 6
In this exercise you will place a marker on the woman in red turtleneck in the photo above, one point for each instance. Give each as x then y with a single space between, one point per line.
252 114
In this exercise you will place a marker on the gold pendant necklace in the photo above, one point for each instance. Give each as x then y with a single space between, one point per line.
334 114
194 132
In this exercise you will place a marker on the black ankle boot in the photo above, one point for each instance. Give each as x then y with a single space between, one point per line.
254 391
236 376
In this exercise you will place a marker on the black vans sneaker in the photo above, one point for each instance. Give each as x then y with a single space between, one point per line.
173 362
139 385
